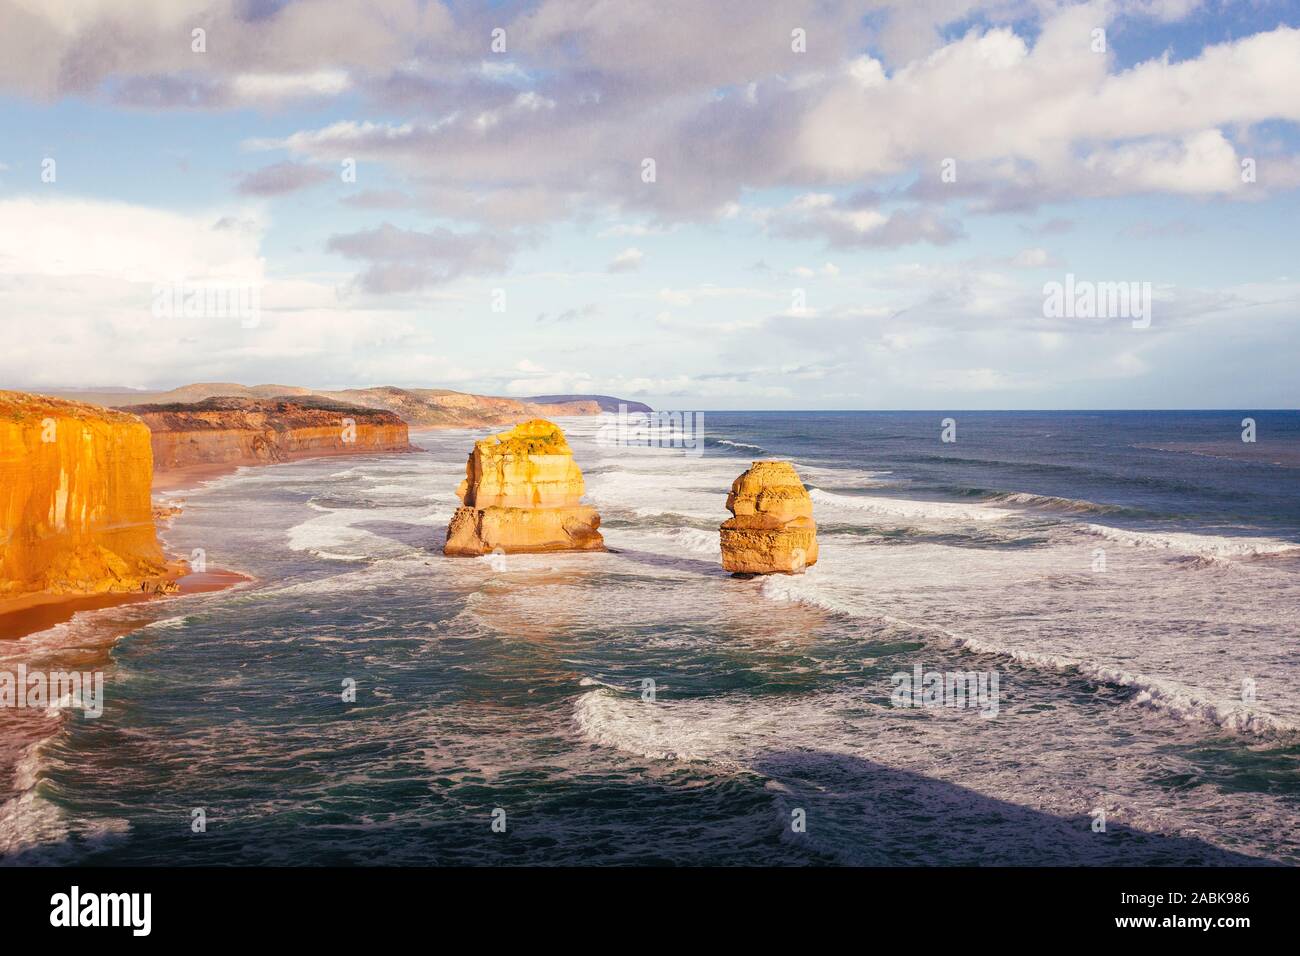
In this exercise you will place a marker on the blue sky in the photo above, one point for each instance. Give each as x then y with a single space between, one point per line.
799 246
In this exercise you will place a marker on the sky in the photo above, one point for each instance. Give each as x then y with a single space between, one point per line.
804 204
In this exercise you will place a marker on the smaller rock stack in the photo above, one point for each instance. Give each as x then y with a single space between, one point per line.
773 531
521 493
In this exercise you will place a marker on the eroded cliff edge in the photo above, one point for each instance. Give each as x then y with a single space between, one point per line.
75 509
229 432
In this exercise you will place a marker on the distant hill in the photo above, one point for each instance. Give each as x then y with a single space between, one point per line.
201 391
418 407
607 403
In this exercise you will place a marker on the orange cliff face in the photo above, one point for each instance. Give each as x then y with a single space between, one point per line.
522 493
235 431
773 529
75 510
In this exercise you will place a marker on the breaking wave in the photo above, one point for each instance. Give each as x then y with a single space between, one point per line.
1201 545
1053 503
910 509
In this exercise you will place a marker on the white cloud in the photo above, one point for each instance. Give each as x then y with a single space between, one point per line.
69 238
274 86
1034 258
629 260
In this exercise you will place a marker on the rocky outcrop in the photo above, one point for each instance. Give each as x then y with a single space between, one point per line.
773 529
522 493
236 431
75 511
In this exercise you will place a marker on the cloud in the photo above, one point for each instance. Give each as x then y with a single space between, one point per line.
1035 257
829 270
629 260
845 226
1170 229
1024 122
252 56
842 147
76 237
570 315
256 87
1057 226
282 178
404 260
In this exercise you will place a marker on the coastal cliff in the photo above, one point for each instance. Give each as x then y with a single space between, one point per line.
75 509
521 493
772 530
234 431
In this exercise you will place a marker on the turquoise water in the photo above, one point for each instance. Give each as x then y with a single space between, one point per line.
519 686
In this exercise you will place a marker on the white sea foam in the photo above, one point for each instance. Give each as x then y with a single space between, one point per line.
335 533
907 509
679 540
1016 605
1184 703
1051 502
877 784
1203 545
168 622
802 588
27 819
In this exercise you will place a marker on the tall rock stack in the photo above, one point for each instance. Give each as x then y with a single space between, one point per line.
522 493
773 531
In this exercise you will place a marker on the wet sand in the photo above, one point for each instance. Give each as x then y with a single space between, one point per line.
37 612
193 475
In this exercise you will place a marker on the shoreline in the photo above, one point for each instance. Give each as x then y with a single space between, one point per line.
32 613
25 614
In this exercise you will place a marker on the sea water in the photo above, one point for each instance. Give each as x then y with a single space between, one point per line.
1131 580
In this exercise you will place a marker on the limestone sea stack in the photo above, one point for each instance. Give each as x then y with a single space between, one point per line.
75 510
522 493
773 531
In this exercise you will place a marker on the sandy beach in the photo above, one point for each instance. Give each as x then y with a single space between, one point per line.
192 475
31 613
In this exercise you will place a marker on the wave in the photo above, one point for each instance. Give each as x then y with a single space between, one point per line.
1160 694
1168 696
1201 545
1054 503
33 830
167 622
910 509
881 793
794 589
692 540
737 444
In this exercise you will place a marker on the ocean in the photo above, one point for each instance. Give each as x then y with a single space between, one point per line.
1131 578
